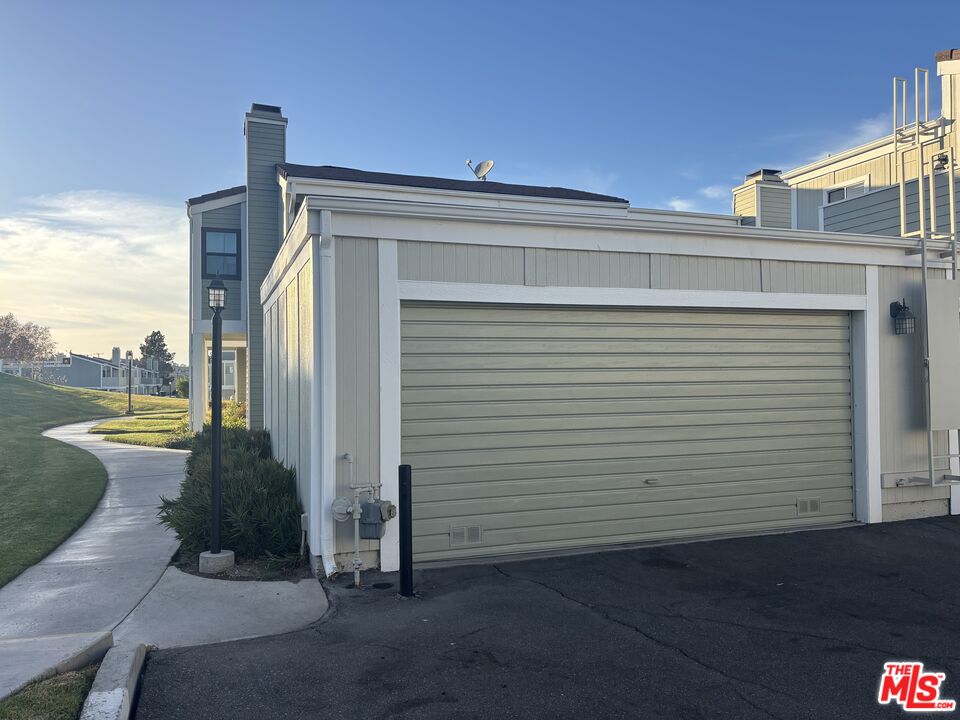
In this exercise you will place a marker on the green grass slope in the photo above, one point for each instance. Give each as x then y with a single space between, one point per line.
49 488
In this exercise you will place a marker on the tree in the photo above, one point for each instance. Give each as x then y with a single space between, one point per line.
183 387
155 346
24 342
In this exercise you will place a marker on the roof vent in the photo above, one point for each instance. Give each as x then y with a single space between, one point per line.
764 175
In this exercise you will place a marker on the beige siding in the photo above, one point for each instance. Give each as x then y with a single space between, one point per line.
460 263
585 268
358 370
903 444
775 206
803 277
551 428
745 204
689 272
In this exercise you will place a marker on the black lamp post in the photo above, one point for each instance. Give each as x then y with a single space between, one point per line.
217 299
129 382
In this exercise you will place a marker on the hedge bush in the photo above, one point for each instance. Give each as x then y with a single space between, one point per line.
261 511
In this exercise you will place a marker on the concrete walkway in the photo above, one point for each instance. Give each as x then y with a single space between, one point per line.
112 579
97 576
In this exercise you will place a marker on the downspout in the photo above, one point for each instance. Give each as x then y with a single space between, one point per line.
324 401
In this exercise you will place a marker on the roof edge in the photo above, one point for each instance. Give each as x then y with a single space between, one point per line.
216 195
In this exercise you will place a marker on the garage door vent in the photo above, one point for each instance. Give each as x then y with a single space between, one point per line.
808 506
466 535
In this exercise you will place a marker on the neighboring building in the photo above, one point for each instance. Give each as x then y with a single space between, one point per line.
562 371
88 372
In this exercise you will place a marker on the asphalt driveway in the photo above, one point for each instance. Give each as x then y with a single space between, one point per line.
783 626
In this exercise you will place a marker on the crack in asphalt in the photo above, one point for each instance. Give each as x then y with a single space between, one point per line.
658 641
748 701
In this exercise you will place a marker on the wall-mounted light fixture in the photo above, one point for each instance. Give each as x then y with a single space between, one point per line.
904 321
940 162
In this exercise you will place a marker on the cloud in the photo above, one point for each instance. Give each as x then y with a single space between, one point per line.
682 204
715 192
100 268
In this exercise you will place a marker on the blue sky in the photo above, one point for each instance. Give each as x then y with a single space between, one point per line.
111 106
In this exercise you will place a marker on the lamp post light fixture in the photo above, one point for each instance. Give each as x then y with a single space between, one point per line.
129 382
216 559
904 321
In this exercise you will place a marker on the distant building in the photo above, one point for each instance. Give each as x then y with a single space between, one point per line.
90 373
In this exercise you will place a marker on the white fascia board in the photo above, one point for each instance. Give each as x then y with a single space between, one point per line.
625 297
300 233
478 226
217 204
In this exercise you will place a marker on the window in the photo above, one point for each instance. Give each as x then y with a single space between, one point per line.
853 188
836 195
221 253
229 385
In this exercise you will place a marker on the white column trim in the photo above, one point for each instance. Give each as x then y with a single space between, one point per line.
389 301
323 406
865 350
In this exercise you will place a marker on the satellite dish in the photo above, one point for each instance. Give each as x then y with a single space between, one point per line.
482 169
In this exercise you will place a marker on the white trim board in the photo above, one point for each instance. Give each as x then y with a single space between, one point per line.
630 297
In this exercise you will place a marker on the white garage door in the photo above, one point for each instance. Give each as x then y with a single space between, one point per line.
534 429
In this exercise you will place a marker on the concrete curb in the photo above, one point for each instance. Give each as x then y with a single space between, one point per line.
115 687
85 655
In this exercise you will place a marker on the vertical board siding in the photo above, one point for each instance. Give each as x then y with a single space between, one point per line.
448 262
226 218
266 146
690 272
804 277
585 268
358 371
903 444
288 371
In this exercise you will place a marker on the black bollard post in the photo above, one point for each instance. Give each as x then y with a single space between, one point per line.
406 531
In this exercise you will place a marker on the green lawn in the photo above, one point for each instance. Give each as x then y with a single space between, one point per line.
58 698
48 488
159 429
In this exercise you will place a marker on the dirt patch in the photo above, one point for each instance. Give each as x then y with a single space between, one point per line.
292 568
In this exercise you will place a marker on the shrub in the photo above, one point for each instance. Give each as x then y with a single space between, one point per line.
261 511
183 387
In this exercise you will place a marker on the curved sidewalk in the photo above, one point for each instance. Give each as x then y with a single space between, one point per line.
64 604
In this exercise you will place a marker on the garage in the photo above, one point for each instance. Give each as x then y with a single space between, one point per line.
549 428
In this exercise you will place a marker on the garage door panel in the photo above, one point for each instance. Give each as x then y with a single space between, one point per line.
580 437
482 510
426 418
800 475
587 534
487 363
439 314
411 397
602 508
487 378
635 450
574 347
513 421
650 467
564 332
538 428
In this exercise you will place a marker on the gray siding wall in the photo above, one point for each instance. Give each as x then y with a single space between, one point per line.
444 262
902 416
808 202
81 373
775 206
358 370
878 213
266 146
226 218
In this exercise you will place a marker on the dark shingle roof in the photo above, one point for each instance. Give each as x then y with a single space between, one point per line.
330 172
102 361
217 195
